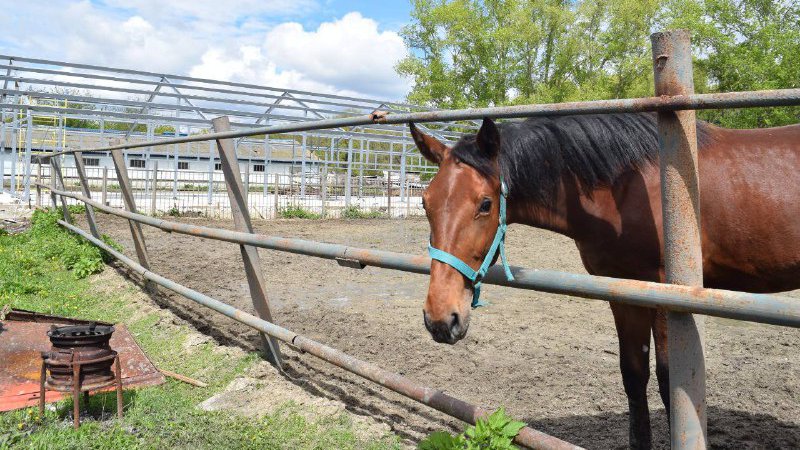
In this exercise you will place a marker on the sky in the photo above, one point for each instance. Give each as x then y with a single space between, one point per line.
332 46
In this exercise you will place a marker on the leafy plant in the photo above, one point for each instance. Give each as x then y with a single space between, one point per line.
495 432
297 212
44 243
174 212
354 212
76 209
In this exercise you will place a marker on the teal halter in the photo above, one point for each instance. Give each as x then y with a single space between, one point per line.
476 277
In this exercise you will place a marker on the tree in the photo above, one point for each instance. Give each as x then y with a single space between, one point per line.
495 52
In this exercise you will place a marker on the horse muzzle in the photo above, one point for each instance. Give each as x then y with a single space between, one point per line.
448 331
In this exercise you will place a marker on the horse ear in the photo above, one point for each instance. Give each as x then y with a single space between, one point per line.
430 147
488 137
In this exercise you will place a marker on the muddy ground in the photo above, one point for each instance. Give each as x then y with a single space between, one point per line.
550 360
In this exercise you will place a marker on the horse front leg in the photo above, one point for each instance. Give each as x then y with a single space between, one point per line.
633 329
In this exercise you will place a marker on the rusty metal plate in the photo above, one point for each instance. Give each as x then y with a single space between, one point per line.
23 336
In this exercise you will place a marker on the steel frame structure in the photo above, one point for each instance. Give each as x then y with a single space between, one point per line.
44 94
682 297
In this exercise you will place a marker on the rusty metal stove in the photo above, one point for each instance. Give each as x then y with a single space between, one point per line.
80 360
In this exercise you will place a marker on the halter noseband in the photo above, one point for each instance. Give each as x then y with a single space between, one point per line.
498 244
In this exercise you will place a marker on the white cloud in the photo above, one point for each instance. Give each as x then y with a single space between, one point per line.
349 56
241 40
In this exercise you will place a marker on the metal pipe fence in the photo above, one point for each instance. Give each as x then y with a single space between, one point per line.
672 62
269 195
434 398
746 99
760 308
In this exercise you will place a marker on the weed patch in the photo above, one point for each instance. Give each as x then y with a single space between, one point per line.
297 212
495 432
354 212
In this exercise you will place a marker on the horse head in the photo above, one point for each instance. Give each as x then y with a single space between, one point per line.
465 210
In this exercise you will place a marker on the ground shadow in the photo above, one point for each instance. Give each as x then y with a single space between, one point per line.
727 429
102 406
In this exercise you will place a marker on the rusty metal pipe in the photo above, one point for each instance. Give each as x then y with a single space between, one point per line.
683 258
762 308
746 99
434 398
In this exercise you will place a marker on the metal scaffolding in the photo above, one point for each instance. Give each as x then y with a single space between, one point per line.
51 106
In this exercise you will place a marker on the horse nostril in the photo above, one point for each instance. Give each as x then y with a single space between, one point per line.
455 323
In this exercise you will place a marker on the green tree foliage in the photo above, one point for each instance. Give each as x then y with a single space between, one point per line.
497 52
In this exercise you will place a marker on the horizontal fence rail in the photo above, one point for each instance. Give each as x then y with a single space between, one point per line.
762 308
777 97
434 398
689 430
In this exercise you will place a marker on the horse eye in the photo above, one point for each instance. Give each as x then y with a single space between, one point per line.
486 205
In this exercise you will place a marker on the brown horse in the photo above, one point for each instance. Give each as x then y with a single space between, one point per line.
595 179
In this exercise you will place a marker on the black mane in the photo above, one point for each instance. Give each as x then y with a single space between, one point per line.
595 149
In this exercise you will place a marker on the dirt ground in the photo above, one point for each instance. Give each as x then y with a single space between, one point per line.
550 360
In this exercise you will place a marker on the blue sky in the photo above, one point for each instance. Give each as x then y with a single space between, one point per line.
391 14
335 46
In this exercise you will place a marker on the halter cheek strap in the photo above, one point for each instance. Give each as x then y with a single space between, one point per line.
498 244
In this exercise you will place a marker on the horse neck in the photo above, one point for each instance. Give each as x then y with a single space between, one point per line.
553 217
571 212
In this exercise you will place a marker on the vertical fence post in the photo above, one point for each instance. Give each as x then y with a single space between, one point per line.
324 189
683 263
175 172
58 183
267 157
277 199
210 192
38 183
347 181
3 164
86 193
130 203
389 193
409 191
403 192
241 218
53 185
154 193
303 167
104 193
27 162
361 169
2 151
14 157
246 185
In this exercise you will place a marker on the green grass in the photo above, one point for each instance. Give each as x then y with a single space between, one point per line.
38 271
354 212
297 212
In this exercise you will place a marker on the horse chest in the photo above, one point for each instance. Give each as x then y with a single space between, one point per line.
622 258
